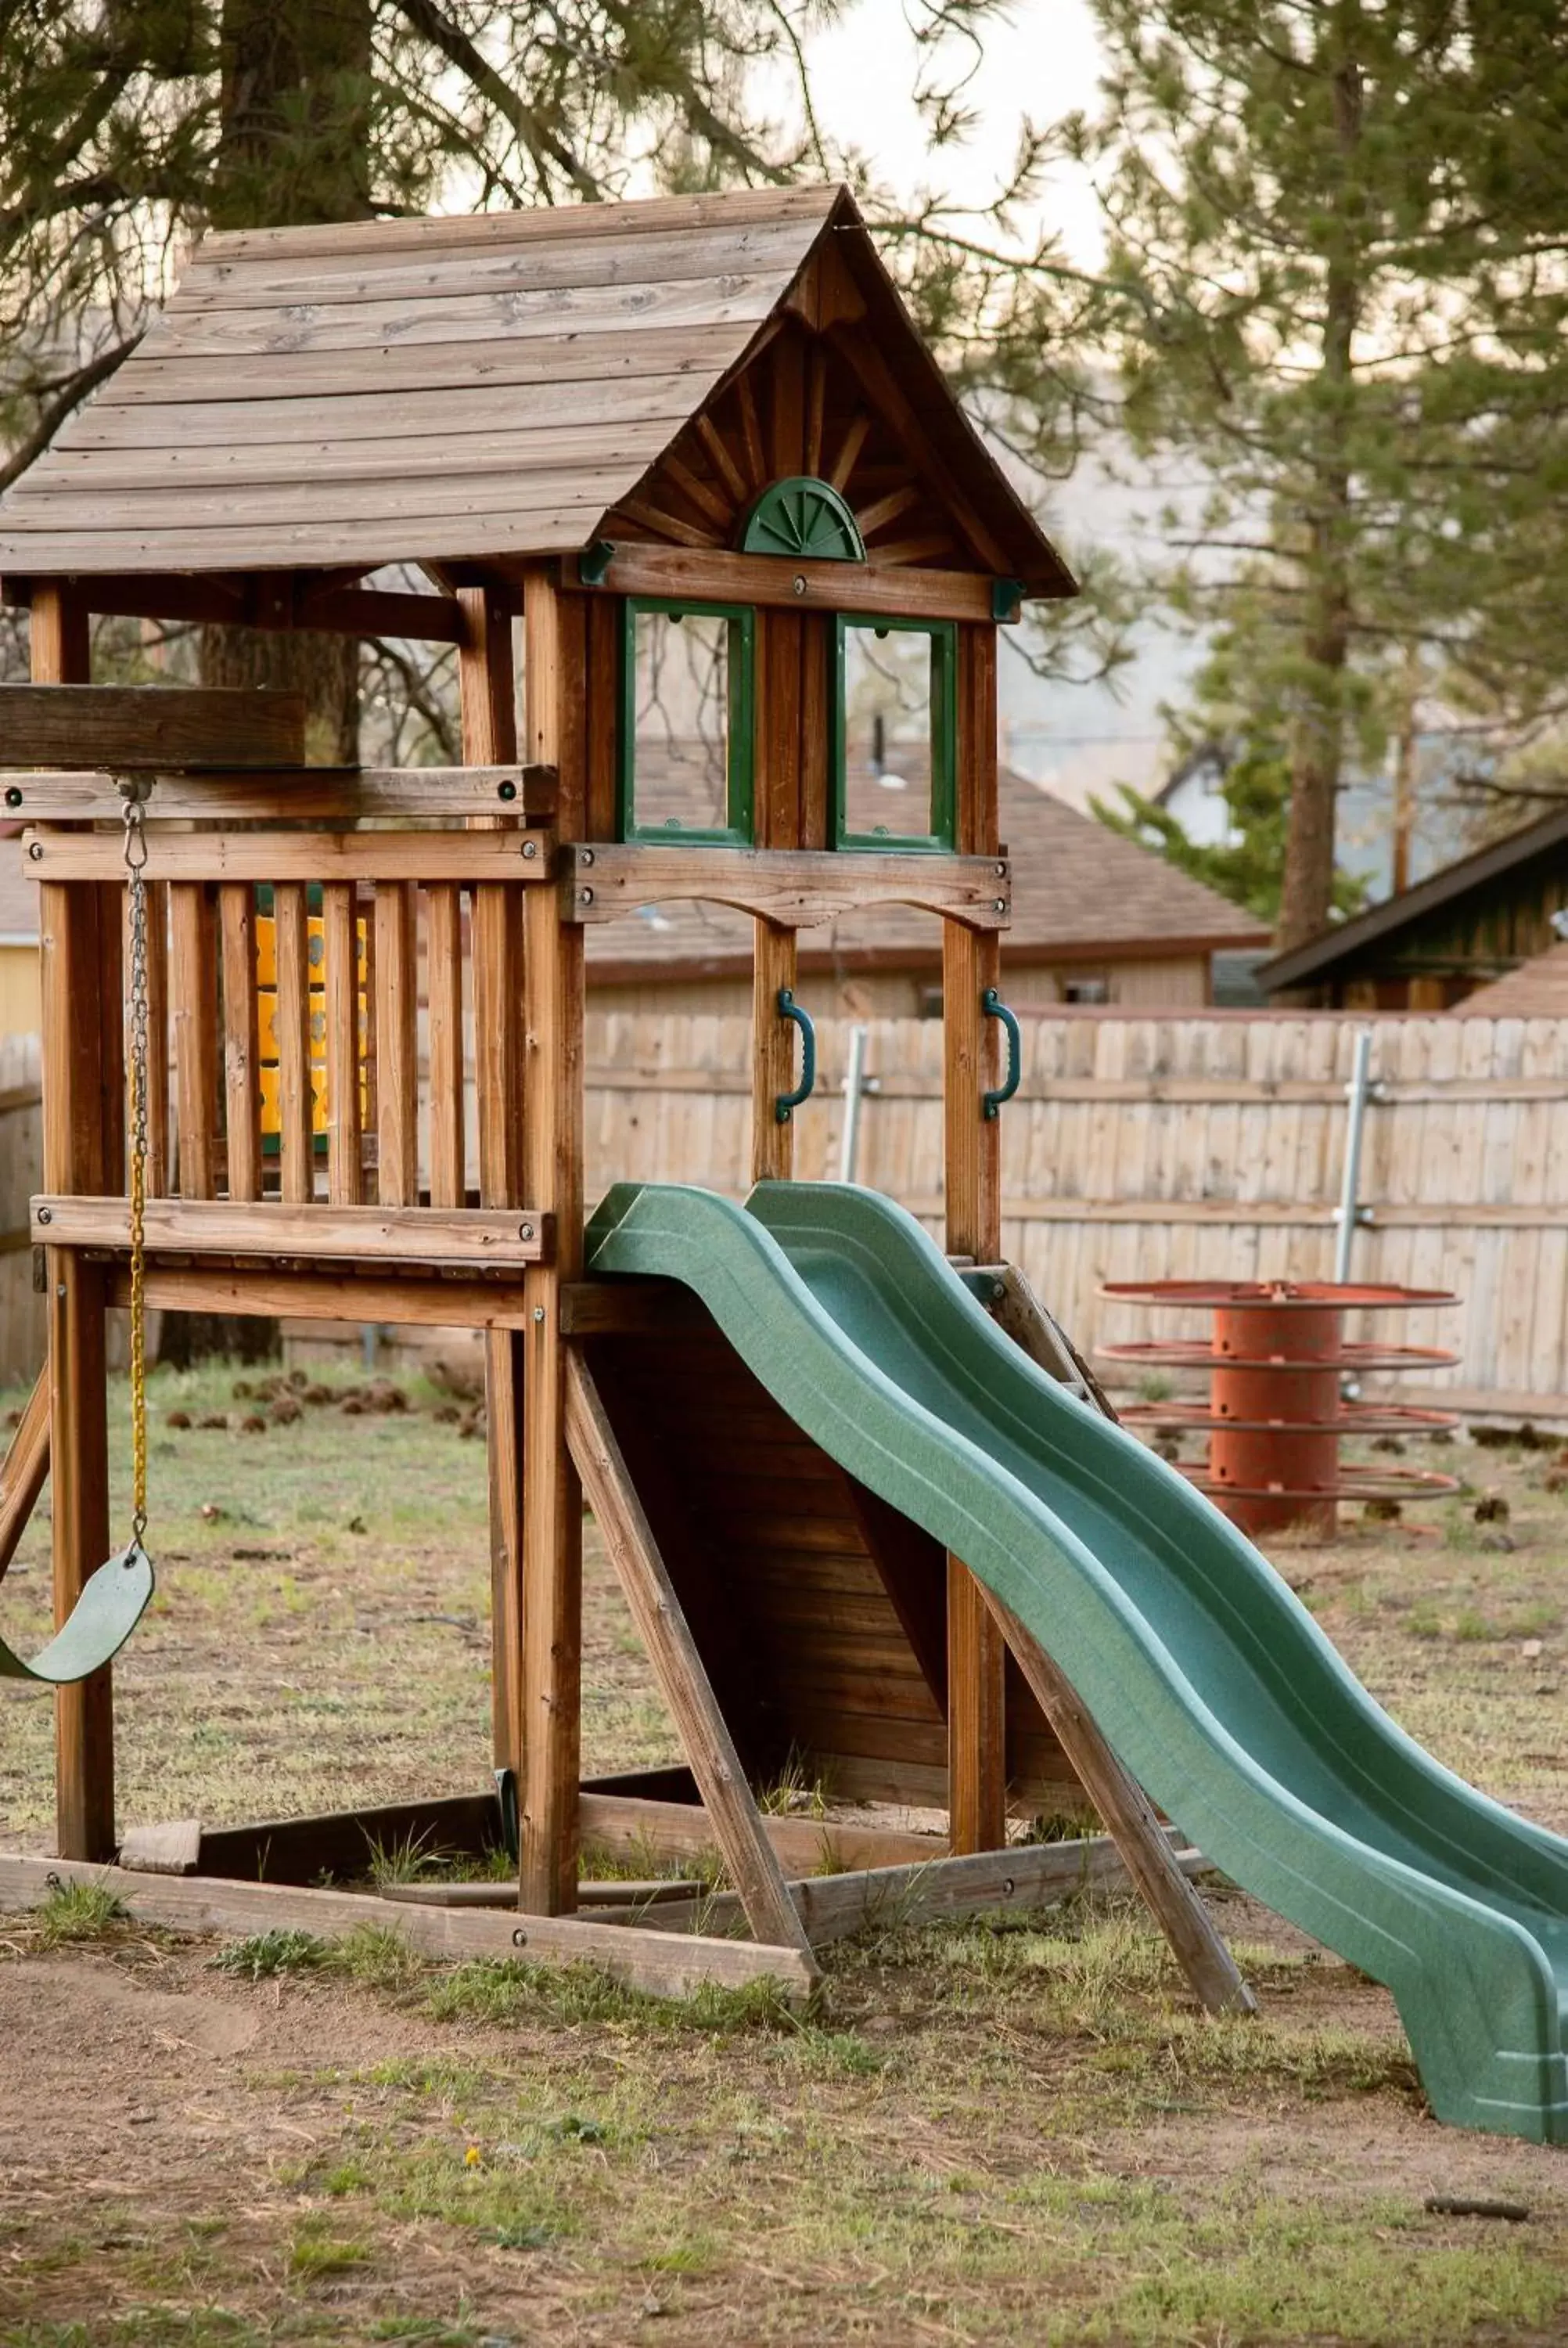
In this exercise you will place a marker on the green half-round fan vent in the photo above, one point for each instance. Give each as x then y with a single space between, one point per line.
805 518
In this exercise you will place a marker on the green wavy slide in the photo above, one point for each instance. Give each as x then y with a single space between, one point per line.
1213 1683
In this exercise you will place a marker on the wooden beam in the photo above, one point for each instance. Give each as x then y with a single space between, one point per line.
1134 1826
662 1624
664 1965
332 857
24 1469
554 673
294 1292
242 1083
464 1237
295 795
629 1826
148 726
910 593
1029 1875
793 889
73 1159
772 1053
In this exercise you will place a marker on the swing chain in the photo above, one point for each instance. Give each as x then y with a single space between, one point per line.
134 790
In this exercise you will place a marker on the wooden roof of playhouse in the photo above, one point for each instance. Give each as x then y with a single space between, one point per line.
516 384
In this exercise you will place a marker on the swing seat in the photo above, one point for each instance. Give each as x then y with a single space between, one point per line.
112 1603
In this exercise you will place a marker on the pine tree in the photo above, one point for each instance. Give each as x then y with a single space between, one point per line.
1335 288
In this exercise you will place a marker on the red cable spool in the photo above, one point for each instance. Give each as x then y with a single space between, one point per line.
1277 1360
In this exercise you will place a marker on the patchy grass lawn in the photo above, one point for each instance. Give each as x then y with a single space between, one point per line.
1019 2131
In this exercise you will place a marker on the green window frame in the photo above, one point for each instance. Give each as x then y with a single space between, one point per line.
739 830
943 637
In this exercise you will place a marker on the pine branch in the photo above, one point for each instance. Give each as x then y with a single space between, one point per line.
69 396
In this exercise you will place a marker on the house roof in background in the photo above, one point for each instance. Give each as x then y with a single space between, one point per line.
1538 989
18 891
1079 890
1346 940
386 391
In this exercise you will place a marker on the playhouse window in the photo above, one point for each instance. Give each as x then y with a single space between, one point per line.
686 722
893 751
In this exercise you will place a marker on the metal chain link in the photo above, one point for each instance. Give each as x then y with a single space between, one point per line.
134 790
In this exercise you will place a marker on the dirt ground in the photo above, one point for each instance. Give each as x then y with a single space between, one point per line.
1018 2131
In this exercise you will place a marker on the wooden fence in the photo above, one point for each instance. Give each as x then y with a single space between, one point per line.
1182 1148
1136 1149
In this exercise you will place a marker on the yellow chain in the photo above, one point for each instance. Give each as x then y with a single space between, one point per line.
136 861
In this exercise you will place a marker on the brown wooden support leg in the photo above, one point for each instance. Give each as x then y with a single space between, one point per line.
24 1469
976 1654
77 1125
552 1589
84 1715
1129 1819
772 1053
672 1652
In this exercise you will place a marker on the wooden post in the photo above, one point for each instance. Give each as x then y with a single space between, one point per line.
772 1051
487 692
656 1609
1131 1821
75 1159
977 1652
553 1174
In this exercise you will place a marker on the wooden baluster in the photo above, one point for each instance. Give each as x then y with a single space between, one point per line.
444 991
74 1135
156 1039
242 1085
193 994
296 1102
396 1046
365 1028
345 1169
977 1651
113 1019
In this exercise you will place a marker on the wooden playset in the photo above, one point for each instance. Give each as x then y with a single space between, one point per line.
691 457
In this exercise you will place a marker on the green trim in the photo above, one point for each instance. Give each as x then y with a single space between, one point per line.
594 561
739 787
805 520
944 640
1007 598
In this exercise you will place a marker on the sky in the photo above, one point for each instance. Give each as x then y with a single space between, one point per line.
1038 60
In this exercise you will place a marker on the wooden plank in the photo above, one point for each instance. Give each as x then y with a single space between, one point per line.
298 795
1134 1826
70 922
790 888
564 263
124 727
291 1020
628 1825
371 242
242 1083
662 1624
909 593
157 1040
772 1053
24 1469
194 999
462 1237
359 418
1029 1875
173 1848
340 1844
551 1562
338 858
396 1046
663 1965
444 1301
345 1167
443 988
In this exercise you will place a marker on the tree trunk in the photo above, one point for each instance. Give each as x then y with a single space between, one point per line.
293 151
1317 735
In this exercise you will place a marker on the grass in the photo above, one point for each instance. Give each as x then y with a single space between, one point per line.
1010 2130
